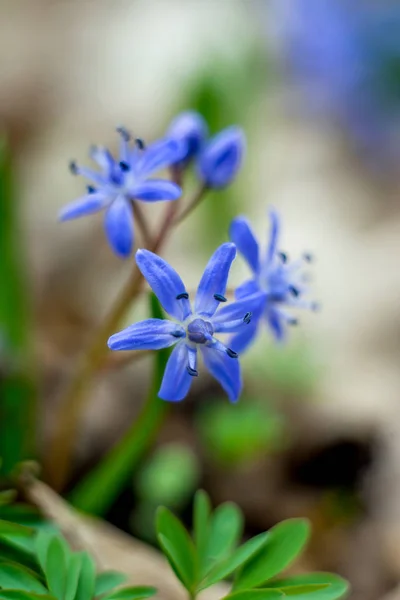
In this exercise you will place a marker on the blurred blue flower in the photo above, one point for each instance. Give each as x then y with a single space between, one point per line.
221 158
190 330
283 284
121 181
190 129
347 55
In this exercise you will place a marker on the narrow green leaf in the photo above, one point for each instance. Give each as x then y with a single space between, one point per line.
56 568
74 567
133 593
225 530
336 586
240 556
22 595
42 543
201 521
87 578
6 528
177 544
107 581
98 490
17 577
285 542
17 389
255 595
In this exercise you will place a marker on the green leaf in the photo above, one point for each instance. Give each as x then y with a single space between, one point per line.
201 520
17 398
133 593
303 592
255 595
17 577
22 595
56 568
74 566
107 581
6 528
42 543
87 578
240 556
285 542
177 545
225 530
96 493
337 587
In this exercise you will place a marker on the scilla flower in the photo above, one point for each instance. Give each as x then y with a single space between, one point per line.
191 130
190 330
282 282
122 180
221 158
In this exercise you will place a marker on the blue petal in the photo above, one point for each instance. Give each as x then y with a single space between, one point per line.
226 316
214 279
119 226
242 235
221 158
159 155
153 190
276 323
151 334
164 281
176 381
86 205
240 341
189 127
225 369
248 288
274 234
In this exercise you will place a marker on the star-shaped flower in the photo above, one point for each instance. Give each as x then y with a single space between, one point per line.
122 180
191 329
278 282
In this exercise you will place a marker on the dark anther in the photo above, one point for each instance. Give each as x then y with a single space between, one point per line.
308 257
293 321
231 353
283 256
315 306
247 318
124 133
124 166
220 297
73 167
192 372
294 291
140 143
91 189
182 295
178 333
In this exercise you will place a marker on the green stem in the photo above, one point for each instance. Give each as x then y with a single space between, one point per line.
97 492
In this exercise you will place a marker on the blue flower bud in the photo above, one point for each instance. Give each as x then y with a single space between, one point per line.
221 158
190 128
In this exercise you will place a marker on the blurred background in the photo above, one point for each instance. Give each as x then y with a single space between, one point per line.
316 86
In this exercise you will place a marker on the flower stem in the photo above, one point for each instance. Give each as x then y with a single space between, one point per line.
195 201
57 460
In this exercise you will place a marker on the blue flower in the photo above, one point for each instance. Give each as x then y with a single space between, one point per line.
190 329
221 158
191 130
121 181
283 283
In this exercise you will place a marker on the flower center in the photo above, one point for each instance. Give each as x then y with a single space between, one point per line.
200 331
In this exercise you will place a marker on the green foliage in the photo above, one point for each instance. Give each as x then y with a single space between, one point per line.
57 573
233 437
214 554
